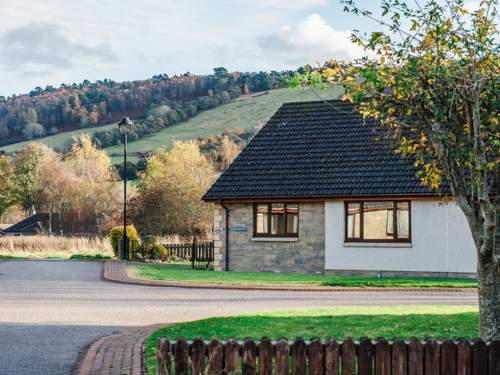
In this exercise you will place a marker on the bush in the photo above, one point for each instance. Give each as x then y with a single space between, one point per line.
116 236
158 252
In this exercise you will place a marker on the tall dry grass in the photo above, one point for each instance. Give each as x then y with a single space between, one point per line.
53 246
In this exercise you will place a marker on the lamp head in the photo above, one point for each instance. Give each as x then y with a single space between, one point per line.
125 125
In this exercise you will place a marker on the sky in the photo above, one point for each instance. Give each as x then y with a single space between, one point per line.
49 42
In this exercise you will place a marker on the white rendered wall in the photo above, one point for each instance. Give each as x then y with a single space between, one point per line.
441 242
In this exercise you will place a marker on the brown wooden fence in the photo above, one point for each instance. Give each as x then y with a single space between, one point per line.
330 357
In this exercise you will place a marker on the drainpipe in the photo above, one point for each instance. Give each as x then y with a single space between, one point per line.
226 210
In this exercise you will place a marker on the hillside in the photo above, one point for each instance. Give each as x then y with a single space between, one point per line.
245 112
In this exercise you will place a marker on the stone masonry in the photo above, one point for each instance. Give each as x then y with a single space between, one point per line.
307 254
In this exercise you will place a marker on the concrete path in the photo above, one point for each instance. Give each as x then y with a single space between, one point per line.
50 310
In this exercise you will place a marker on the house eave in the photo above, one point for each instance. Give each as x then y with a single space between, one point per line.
322 198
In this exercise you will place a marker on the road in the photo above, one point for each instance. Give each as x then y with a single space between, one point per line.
50 310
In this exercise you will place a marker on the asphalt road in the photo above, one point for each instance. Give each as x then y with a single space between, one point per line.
49 310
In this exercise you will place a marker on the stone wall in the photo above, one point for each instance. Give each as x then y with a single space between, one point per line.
305 254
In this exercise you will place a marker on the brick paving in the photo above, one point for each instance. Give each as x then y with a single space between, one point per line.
118 354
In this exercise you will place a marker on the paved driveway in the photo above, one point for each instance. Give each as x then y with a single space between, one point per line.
49 310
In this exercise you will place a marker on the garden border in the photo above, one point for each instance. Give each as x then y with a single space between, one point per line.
116 271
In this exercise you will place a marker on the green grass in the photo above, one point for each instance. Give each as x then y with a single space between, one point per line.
58 140
186 274
396 321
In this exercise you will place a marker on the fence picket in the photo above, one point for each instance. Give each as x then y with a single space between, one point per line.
494 361
415 357
464 357
479 356
265 357
316 357
448 355
298 351
215 357
348 357
249 357
198 351
281 356
163 360
382 357
232 357
365 357
181 351
332 357
399 362
431 357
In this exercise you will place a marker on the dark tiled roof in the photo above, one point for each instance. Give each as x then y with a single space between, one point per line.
317 149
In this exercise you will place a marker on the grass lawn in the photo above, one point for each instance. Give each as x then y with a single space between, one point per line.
185 274
395 321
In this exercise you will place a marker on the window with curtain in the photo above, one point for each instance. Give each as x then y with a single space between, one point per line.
276 219
377 221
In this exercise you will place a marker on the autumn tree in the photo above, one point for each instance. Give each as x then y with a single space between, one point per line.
27 167
170 191
7 187
433 86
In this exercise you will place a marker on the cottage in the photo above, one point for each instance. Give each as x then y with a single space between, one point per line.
320 190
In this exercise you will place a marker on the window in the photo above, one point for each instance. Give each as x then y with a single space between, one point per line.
276 220
377 221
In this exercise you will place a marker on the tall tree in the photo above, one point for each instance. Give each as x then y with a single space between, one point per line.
174 180
7 187
27 168
434 87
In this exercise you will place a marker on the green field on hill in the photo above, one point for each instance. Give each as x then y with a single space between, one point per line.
58 140
245 112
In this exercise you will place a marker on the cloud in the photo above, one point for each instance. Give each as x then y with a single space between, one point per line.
291 4
309 41
40 47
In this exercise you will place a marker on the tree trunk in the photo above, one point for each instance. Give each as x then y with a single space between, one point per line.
489 299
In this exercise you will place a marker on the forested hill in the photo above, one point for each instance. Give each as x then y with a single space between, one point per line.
88 104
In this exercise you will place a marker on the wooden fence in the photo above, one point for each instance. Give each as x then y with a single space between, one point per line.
330 357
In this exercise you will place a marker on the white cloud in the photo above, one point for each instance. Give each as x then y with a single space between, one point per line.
38 48
309 41
291 4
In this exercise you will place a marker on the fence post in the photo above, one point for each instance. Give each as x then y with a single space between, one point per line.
198 349
494 364
193 252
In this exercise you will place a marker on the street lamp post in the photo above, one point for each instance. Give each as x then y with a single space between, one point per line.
125 127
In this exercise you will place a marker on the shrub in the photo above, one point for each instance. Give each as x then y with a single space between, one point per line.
116 235
159 252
